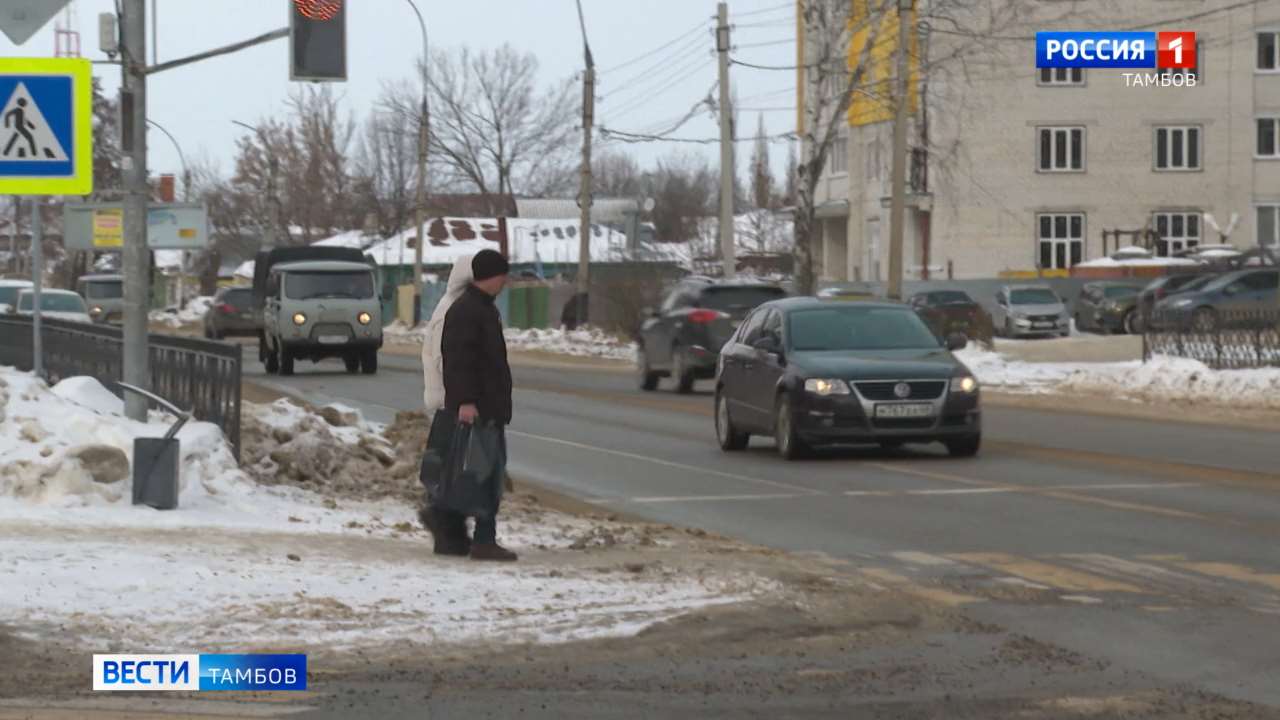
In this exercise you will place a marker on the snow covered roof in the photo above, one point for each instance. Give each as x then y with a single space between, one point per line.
602 209
1111 262
351 239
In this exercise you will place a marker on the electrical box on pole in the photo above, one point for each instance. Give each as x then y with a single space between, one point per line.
108 34
318 40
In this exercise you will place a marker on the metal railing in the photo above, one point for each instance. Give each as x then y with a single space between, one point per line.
1221 339
198 374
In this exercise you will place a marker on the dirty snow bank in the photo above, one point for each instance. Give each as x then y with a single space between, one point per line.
1161 379
193 313
585 342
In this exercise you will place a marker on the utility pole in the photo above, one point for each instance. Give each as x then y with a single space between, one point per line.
37 282
584 189
137 265
727 249
897 208
420 198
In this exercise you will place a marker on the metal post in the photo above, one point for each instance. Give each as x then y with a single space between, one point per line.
137 266
421 194
37 283
584 188
897 208
727 249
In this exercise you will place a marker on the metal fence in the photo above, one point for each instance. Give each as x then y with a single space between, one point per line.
191 373
1221 339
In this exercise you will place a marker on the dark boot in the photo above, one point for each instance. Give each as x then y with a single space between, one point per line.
448 532
493 552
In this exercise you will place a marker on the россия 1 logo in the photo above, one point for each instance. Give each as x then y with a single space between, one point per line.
1120 49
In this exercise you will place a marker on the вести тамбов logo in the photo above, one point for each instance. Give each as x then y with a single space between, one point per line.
1170 56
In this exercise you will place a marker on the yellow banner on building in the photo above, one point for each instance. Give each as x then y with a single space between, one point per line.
872 100
108 228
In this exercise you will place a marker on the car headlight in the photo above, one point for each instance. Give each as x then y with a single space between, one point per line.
964 384
96 310
1018 315
820 386
299 319
364 318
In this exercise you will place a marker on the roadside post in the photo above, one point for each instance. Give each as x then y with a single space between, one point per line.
46 147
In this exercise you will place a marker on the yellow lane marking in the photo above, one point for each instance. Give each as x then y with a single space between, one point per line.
1054 576
1238 573
931 594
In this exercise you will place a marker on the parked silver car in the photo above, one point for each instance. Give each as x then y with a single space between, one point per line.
1030 311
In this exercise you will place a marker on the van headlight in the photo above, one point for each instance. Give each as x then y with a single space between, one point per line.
364 318
965 384
96 310
820 386
299 319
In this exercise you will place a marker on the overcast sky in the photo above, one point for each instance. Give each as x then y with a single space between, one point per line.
197 103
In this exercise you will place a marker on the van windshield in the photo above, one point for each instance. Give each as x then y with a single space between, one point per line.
356 285
104 290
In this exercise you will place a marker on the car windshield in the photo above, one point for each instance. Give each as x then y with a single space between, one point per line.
9 294
858 328
53 302
948 297
738 299
1114 293
105 290
1033 296
310 285
1194 284
238 298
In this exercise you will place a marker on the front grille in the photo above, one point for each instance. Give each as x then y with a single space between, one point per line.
883 390
913 424
1043 318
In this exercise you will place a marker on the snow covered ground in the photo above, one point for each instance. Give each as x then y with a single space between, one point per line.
587 342
193 313
247 564
1161 379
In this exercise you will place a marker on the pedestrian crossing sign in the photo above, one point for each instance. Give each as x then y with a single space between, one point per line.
46 126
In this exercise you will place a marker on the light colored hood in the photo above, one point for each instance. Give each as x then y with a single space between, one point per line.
1046 309
460 278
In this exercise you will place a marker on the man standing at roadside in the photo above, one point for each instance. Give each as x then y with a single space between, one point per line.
477 378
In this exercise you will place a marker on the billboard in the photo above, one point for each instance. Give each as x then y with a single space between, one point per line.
170 226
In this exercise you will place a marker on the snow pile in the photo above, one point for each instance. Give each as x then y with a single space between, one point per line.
1161 379
585 342
399 333
193 313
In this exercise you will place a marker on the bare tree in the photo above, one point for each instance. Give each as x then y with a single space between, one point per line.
386 172
761 174
685 189
616 174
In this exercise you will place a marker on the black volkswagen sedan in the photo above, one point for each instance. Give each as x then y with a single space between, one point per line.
810 373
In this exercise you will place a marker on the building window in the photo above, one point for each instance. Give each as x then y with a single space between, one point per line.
1178 148
838 156
1268 61
1268 142
1061 149
1177 231
1061 76
1060 240
1191 73
1269 225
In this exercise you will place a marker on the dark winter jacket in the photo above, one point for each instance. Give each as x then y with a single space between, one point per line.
475 357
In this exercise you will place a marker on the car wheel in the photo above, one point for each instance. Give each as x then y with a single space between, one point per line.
1131 323
680 371
729 437
369 362
1204 320
647 378
352 362
271 361
790 446
965 448
286 362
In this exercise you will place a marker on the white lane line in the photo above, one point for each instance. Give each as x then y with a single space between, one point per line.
1017 489
919 558
668 463
957 491
712 498
1021 582
1082 599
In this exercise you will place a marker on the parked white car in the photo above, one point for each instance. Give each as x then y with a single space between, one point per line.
1030 311
56 304
9 290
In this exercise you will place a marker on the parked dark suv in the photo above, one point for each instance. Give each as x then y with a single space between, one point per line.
682 339
232 314
812 373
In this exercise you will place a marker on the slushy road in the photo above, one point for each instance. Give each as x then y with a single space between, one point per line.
1152 545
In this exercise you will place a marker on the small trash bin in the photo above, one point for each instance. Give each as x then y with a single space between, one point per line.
155 460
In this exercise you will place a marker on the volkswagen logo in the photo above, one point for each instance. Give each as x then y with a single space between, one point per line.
902 390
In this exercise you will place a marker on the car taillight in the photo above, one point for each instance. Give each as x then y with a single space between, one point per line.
703 317
226 309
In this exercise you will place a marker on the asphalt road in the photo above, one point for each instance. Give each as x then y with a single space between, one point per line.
1149 545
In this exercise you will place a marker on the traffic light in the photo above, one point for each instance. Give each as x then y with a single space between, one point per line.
318 40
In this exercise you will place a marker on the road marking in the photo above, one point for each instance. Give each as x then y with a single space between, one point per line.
1054 576
905 585
667 463
1020 582
919 558
1238 573
712 498
1128 568
1082 599
871 493
1032 489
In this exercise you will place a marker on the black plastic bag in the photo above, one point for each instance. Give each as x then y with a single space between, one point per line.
464 465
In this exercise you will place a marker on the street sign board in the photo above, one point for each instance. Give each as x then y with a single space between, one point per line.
170 226
46 126
20 19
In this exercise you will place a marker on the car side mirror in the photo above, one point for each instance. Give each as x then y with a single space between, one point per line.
957 341
768 344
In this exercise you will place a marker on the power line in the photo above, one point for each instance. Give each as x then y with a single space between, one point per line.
1144 26
656 50
771 93
766 109
753 66
662 85
764 11
664 65
765 24
628 137
788 41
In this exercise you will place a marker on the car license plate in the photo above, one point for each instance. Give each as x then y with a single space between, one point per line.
905 411
332 339
1046 325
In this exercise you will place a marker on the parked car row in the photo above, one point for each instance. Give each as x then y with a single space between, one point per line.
1197 299
18 297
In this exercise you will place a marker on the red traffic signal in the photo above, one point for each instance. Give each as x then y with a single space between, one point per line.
318 40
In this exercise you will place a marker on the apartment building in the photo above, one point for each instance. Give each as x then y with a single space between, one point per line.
1016 171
